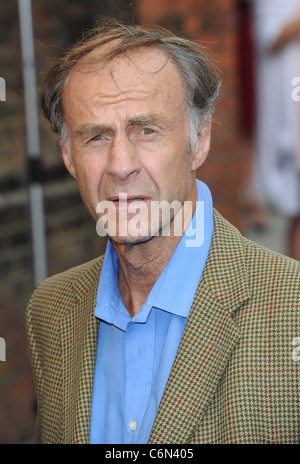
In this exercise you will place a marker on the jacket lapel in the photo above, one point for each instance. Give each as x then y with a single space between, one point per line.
79 333
208 341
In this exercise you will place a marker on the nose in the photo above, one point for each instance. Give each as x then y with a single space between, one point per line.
123 162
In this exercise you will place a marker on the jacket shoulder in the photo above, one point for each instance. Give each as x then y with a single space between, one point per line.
256 256
261 274
83 271
55 294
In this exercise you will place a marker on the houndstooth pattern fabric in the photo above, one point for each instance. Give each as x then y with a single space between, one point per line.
235 378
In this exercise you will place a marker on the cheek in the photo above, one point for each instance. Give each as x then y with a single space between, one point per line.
173 181
180 176
179 169
88 179
86 170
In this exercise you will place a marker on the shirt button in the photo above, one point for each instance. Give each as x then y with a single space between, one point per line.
132 425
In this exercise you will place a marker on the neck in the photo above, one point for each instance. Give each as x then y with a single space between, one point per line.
140 265
139 268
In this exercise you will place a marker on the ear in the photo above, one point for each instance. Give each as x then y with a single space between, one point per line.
67 159
202 146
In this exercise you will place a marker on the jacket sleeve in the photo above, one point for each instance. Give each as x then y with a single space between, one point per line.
36 363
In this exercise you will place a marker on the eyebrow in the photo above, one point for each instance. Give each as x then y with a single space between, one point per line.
90 130
148 118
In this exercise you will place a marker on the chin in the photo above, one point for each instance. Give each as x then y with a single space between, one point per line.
130 240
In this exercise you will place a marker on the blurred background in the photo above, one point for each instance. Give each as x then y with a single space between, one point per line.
226 28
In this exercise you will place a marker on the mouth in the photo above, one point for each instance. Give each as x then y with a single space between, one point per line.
124 199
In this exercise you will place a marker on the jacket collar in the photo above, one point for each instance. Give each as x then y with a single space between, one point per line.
209 338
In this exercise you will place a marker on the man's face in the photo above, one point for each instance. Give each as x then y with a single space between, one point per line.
128 136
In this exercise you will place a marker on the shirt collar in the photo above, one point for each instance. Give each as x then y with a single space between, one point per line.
175 288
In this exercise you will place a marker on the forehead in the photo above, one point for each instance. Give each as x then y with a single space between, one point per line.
142 73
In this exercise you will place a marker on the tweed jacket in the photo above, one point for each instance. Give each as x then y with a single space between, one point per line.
235 378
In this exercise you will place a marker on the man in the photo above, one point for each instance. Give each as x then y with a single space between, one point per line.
173 336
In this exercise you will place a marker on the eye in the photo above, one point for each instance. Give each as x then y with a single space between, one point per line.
147 131
96 138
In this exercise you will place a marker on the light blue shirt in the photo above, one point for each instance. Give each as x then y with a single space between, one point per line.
135 355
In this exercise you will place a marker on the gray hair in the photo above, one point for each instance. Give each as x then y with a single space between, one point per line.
200 76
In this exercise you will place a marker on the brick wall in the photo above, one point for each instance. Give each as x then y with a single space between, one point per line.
70 232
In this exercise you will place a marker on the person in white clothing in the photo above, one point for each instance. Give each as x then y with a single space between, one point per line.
277 163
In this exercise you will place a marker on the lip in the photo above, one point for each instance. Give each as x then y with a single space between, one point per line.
118 200
124 201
